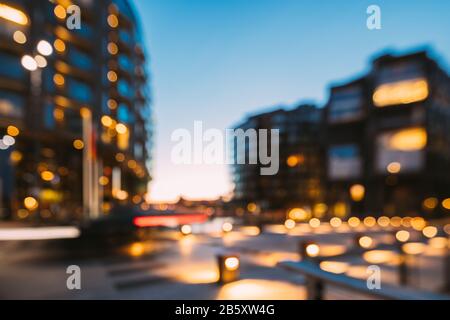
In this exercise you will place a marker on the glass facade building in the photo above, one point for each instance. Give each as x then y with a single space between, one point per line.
75 111
379 146
398 128
299 181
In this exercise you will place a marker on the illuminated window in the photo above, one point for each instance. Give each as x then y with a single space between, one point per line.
295 160
78 144
58 79
60 12
402 92
112 76
19 37
409 140
13 15
113 21
59 45
112 48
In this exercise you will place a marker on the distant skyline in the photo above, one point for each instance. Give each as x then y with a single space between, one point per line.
217 61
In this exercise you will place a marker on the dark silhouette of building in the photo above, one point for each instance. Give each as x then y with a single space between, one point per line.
299 182
74 109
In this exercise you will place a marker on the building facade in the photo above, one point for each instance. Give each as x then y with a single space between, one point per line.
380 146
388 140
299 181
75 111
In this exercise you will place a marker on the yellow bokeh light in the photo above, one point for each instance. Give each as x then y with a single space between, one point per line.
446 204
30 203
113 21
12 131
335 222
430 231
60 12
112 104
107 121
113 48
120 157
383 221
112 76
16 156
414 248
295 160
394 167
299 214
12 14
289 224
357 192
47 176
252 207
59 45
137 249
402 235
402 92
58 79
418 223
370 222
314 223
378 256
365 242
439 243
58 114
121 128
103 181
78 144
354 222
396 222
409 140
19 37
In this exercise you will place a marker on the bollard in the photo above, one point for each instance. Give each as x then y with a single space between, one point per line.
229 267
403 263
315 289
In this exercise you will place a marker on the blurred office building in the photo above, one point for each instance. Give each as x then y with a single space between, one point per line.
380 146
388 139
75 121
299 181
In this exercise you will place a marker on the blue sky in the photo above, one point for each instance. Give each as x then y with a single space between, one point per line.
218 60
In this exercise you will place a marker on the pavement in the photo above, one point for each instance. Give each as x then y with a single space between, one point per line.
167 265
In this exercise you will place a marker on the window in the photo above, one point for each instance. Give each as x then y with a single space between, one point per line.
346 104
344 162
11 104
402 149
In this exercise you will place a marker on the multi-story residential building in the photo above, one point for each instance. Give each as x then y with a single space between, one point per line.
299 181
385 147
389 139
75 117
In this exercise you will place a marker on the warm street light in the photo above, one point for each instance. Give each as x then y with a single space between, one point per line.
229 266
13 15
186 230
41 61
44 48
29 63
227 227
402 236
